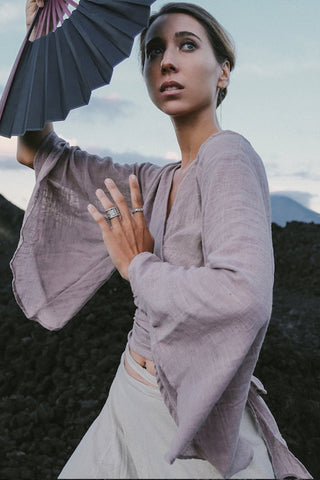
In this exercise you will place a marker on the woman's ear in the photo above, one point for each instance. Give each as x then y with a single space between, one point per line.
224 77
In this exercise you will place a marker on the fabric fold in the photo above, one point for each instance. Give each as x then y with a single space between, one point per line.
61 260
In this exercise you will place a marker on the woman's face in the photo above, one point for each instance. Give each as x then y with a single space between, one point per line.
181 70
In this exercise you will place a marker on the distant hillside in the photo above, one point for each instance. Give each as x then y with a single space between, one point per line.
284 210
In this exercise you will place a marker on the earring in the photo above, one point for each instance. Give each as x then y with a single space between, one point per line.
220 96
220 114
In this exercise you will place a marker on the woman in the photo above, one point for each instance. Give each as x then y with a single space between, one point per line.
196 248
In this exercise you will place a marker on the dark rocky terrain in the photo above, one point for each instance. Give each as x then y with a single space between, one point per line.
53 384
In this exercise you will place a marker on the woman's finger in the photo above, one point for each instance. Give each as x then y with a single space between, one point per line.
118 199
99 218
136 198
104 200
107 204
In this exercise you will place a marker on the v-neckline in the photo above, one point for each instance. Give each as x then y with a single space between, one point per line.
170 185
188 168
168 176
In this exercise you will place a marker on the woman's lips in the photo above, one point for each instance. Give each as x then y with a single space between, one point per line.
171 87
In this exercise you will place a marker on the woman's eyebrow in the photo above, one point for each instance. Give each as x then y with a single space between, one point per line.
184 33
187 34
153 40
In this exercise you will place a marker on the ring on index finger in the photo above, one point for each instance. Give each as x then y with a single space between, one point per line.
112 213
136 210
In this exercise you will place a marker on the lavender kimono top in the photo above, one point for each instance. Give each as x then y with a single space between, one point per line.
203 297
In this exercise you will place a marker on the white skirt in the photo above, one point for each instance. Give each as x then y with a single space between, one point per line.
131 435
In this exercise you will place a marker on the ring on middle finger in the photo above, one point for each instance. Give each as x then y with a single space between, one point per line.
112 213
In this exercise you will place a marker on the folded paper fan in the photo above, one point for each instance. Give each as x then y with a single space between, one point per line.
76 46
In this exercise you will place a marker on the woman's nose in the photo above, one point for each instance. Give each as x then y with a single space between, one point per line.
168 62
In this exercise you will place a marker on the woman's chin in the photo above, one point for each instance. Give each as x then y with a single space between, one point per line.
175 111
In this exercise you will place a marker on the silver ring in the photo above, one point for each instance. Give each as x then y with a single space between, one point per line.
112 213
135 210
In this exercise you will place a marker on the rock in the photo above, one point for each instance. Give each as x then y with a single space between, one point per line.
54 384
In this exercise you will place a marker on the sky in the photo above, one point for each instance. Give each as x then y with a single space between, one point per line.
273 99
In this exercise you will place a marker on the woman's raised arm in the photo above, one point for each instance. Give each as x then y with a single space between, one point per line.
29 143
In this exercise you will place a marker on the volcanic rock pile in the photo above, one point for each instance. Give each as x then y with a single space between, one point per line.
53 384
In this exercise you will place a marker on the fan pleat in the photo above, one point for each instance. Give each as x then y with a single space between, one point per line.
78 92
26 88
58 71
57 88
36 90
74 41
119 14
110 40
62 57
46 95
128 10
97 65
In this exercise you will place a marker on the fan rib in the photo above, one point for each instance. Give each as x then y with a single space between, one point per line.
60 14
82 81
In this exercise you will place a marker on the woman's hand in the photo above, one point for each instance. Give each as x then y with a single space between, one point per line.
31 8
127 236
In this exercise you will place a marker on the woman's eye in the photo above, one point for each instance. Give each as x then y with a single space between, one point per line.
154 52
188 45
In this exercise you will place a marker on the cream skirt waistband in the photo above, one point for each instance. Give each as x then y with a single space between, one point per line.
139 369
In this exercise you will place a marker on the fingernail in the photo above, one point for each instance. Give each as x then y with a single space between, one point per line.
90 208
109 182
133 177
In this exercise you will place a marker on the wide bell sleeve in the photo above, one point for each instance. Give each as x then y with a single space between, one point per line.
207 323
61 260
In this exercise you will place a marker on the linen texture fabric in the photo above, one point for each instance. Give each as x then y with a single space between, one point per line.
203 297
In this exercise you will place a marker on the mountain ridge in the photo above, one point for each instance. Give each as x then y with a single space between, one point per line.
284 209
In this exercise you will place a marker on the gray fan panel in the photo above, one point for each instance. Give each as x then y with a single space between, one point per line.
56 73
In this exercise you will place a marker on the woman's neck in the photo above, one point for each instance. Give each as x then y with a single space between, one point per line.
191 132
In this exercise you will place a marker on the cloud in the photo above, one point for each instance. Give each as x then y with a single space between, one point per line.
127 157
172 156
9 163
275 170
304 198
110 106
276 68
10 12
8 147
306 175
